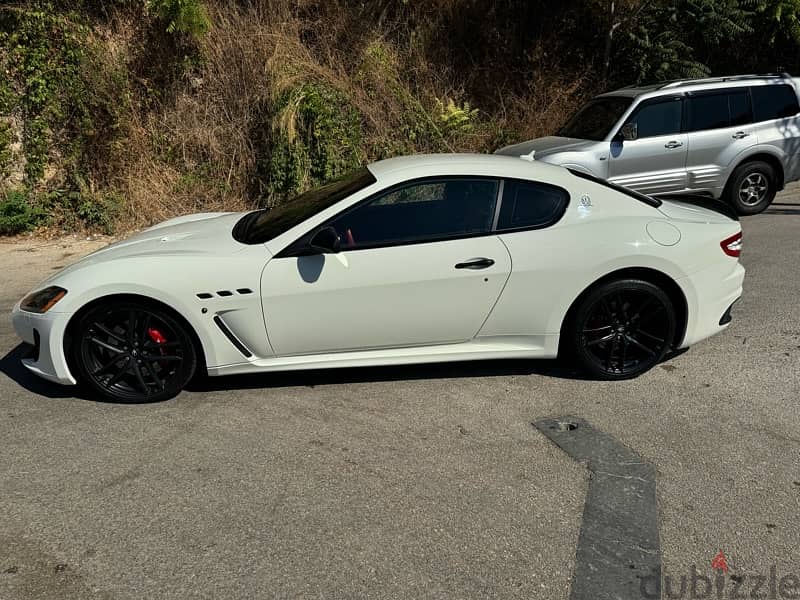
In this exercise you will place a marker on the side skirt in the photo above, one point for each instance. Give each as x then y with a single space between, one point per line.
501 347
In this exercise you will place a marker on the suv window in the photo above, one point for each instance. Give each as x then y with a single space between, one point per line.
596 118
774 102
658 118
719 109
531 205
422 211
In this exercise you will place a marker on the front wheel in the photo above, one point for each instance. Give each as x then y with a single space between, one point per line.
622 328
132 352
751 188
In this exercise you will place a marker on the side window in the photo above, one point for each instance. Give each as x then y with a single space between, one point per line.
774 102
418 212
527 205
708 111
660 118
739 104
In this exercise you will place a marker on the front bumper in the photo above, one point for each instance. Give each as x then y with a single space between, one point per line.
46 334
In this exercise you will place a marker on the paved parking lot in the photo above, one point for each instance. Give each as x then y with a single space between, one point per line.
404 482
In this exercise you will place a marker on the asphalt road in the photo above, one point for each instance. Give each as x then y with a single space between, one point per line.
405 482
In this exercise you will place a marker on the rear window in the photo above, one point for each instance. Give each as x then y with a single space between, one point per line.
529 205
774 102
714 111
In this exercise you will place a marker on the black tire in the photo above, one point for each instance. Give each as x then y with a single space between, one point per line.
622 328
751 188
155 356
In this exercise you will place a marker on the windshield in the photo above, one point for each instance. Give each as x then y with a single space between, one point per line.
595 120
263 225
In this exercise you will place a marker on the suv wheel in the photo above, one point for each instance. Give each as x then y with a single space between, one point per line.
751 188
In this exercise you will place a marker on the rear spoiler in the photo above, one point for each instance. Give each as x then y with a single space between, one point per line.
717 206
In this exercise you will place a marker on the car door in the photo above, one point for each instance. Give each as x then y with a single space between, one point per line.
654 162
418 266
719 124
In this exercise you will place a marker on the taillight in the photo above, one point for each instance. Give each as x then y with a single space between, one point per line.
732 246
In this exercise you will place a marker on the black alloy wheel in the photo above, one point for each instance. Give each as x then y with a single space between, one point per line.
132 352
623 328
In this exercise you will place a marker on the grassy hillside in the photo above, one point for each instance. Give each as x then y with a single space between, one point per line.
116 114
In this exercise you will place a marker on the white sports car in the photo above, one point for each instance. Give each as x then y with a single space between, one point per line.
409 260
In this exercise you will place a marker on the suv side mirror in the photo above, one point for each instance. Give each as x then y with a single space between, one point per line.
630 132
326 240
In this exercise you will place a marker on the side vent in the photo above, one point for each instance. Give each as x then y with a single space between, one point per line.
223 293
232 337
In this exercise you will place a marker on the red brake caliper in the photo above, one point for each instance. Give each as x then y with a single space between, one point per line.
156 336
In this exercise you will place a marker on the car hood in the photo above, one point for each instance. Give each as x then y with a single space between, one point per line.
199 234
547 145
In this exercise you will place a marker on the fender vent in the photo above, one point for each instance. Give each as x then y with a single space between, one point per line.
232 337
223 293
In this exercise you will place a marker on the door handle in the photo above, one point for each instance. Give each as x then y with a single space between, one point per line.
671 145
475 264
739 135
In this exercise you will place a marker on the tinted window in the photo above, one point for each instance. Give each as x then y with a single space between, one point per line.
661 118
774 102
595 119
418 212
708 112
739 105
527 204
263 225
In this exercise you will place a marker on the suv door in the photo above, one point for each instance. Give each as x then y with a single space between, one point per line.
655 162
719 124
419 265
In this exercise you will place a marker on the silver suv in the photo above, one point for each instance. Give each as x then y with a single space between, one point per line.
734 138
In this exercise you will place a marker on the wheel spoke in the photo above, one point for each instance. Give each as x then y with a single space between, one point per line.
120 374
131 327
651 336
621 306
650 316
144 328
605 338
640 345
106 331
156 379
139 378
106 345
609 359
106 367
598 329
159 357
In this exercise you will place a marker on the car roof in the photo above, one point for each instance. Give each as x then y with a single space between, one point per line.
491 165
692 85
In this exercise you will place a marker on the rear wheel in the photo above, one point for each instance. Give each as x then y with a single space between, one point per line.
751 188
132 352
622 328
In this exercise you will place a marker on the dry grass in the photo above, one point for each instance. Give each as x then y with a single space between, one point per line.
197 149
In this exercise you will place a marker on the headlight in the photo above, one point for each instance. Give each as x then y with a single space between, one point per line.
43 300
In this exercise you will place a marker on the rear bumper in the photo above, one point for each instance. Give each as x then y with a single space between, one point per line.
45 333
710 295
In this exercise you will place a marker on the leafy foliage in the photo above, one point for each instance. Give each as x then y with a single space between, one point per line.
182 16
17 214
316 137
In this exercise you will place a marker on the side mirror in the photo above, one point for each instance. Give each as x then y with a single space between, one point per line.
326 240
630 132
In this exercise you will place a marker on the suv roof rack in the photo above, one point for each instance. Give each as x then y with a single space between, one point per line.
682 82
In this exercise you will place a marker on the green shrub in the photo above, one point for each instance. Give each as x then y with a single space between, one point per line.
17 214
315 137
182 16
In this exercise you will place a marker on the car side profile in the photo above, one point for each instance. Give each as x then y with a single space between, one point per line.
409 260
731 138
